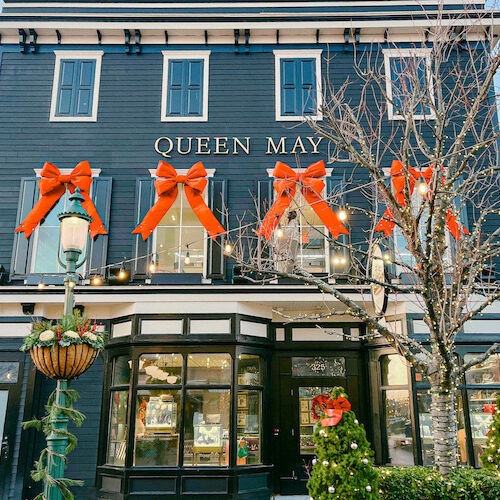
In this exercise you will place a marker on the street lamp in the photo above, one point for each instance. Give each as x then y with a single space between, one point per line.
73 231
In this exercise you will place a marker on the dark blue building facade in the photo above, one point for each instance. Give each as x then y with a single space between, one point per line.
202 390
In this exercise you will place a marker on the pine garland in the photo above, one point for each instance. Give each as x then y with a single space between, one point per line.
45 424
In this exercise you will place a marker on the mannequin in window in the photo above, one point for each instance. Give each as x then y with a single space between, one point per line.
288 245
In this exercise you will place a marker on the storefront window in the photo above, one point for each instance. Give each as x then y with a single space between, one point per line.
249 428
160 369
210 368
117 440
121 371
396 404
425 423
249 371
157 427
206 427
483 388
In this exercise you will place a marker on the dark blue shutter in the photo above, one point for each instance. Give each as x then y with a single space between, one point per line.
21 252
216 261
76 87
144 196
185 88
298 87
101 196
335 188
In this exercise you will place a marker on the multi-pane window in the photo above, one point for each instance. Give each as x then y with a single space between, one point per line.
76 86
409 84
396 406
298 84
180 239
300 238
185 86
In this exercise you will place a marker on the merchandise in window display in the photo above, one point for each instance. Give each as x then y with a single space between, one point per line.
161 413
207 436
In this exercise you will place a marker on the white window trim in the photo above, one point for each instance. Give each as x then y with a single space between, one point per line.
169 55
80 54
412 52
297 54
64 171
184 171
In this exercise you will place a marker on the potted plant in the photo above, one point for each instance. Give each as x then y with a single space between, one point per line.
64 349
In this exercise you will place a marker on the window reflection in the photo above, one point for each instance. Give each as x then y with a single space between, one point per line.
210 368
485 373
249 372
157 427
117 440
160 368
206 427
398 426
248 449
394 370
121 370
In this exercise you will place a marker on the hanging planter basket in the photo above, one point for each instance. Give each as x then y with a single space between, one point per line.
63 363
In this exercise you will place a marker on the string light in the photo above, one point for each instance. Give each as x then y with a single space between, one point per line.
122 274
228 248
343 214
71 284
422 186
96 280
41 285
279 232
187 259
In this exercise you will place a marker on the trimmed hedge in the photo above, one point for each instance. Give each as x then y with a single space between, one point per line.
422 483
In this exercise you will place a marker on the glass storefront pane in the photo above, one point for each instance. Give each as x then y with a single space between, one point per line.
121 371
9 372
248 448
168 249
249 370
398 426
480 410
117 437
195 238
485 373
210 368
157 421
425 421
394 370
206 427
160 368
306 421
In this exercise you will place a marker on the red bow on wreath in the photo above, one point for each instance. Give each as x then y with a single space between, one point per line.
399 182
333 409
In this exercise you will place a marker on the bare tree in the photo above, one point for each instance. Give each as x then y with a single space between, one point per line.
444 134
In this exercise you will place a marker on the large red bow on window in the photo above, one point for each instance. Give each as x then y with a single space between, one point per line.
398 181
166 188
311 186
334 414
52 186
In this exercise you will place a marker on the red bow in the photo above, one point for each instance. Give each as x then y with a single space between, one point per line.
311 186
166 188
338 407
52 186
398 181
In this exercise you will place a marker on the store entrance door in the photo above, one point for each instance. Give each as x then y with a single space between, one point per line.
10 393
296 447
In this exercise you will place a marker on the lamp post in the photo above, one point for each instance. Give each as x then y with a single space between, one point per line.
74 228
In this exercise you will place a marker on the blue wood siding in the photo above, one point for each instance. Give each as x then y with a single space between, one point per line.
121 142
185 87
76 87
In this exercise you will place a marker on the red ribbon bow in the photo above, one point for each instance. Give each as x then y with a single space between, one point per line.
52 186
166 188
338 407
311 186
398 181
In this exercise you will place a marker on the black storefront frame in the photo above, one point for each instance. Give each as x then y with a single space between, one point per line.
237 476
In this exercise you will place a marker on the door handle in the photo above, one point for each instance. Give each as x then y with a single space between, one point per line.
4 451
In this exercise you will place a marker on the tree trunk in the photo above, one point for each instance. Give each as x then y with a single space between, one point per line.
444 429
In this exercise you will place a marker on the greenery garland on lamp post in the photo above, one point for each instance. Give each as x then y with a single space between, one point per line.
63 351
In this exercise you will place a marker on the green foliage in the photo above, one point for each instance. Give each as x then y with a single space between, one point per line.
46 424
423 483
70 330
344 460
490 459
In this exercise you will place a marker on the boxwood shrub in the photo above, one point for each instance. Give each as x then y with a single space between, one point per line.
422 483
